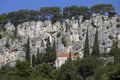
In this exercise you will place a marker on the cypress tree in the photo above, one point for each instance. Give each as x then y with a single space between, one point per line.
27 56
96 51
15 32
114 49
38 59
54 52
50 55
49 50
33 60
115 52
86 46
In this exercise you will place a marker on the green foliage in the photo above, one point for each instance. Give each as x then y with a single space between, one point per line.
33 60
40 58
63 39
101 72
70 11
15 32
115 72
54 54
86 46
50 12
90 68
111 37
43 70
102 8
50 55
23 69
6 72
56 17
112 13
67 71
95 51
27 56
118 26
7 44
54 13
87 66
58 34
115 52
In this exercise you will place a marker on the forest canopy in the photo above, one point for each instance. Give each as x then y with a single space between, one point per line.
55 13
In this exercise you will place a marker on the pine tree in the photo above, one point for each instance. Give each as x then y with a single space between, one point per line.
33 60
96 51
27 57
86 46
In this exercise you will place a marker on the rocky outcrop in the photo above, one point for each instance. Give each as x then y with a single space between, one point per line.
69 36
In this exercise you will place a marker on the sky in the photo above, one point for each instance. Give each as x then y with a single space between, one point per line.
15 5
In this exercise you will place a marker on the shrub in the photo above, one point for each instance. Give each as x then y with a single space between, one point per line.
63 39
111 37
58 34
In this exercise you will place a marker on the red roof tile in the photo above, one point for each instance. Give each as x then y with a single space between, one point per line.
67 55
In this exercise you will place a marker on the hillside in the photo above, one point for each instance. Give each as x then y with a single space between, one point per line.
69 36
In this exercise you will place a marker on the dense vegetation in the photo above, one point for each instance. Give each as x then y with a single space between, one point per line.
41 66
88 68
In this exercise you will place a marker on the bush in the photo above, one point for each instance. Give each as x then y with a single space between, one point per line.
58 34
118 26
63 39
111 37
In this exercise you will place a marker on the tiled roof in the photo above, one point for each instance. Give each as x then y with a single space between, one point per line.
63 55
67 55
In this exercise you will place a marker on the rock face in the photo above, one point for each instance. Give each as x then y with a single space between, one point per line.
69 36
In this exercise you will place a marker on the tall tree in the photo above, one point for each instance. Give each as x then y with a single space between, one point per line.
40 58
86 46
33 60
95 51
54 52
50 52
27 56
115 52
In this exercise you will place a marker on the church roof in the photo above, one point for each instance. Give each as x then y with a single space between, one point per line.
67 55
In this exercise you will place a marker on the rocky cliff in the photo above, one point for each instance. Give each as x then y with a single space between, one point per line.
69 36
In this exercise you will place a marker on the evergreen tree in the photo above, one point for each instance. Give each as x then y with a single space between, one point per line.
27 56
86 46
115 52
40 58
50 55
54 52
33 60
15 32
49 50
67 71
96 51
